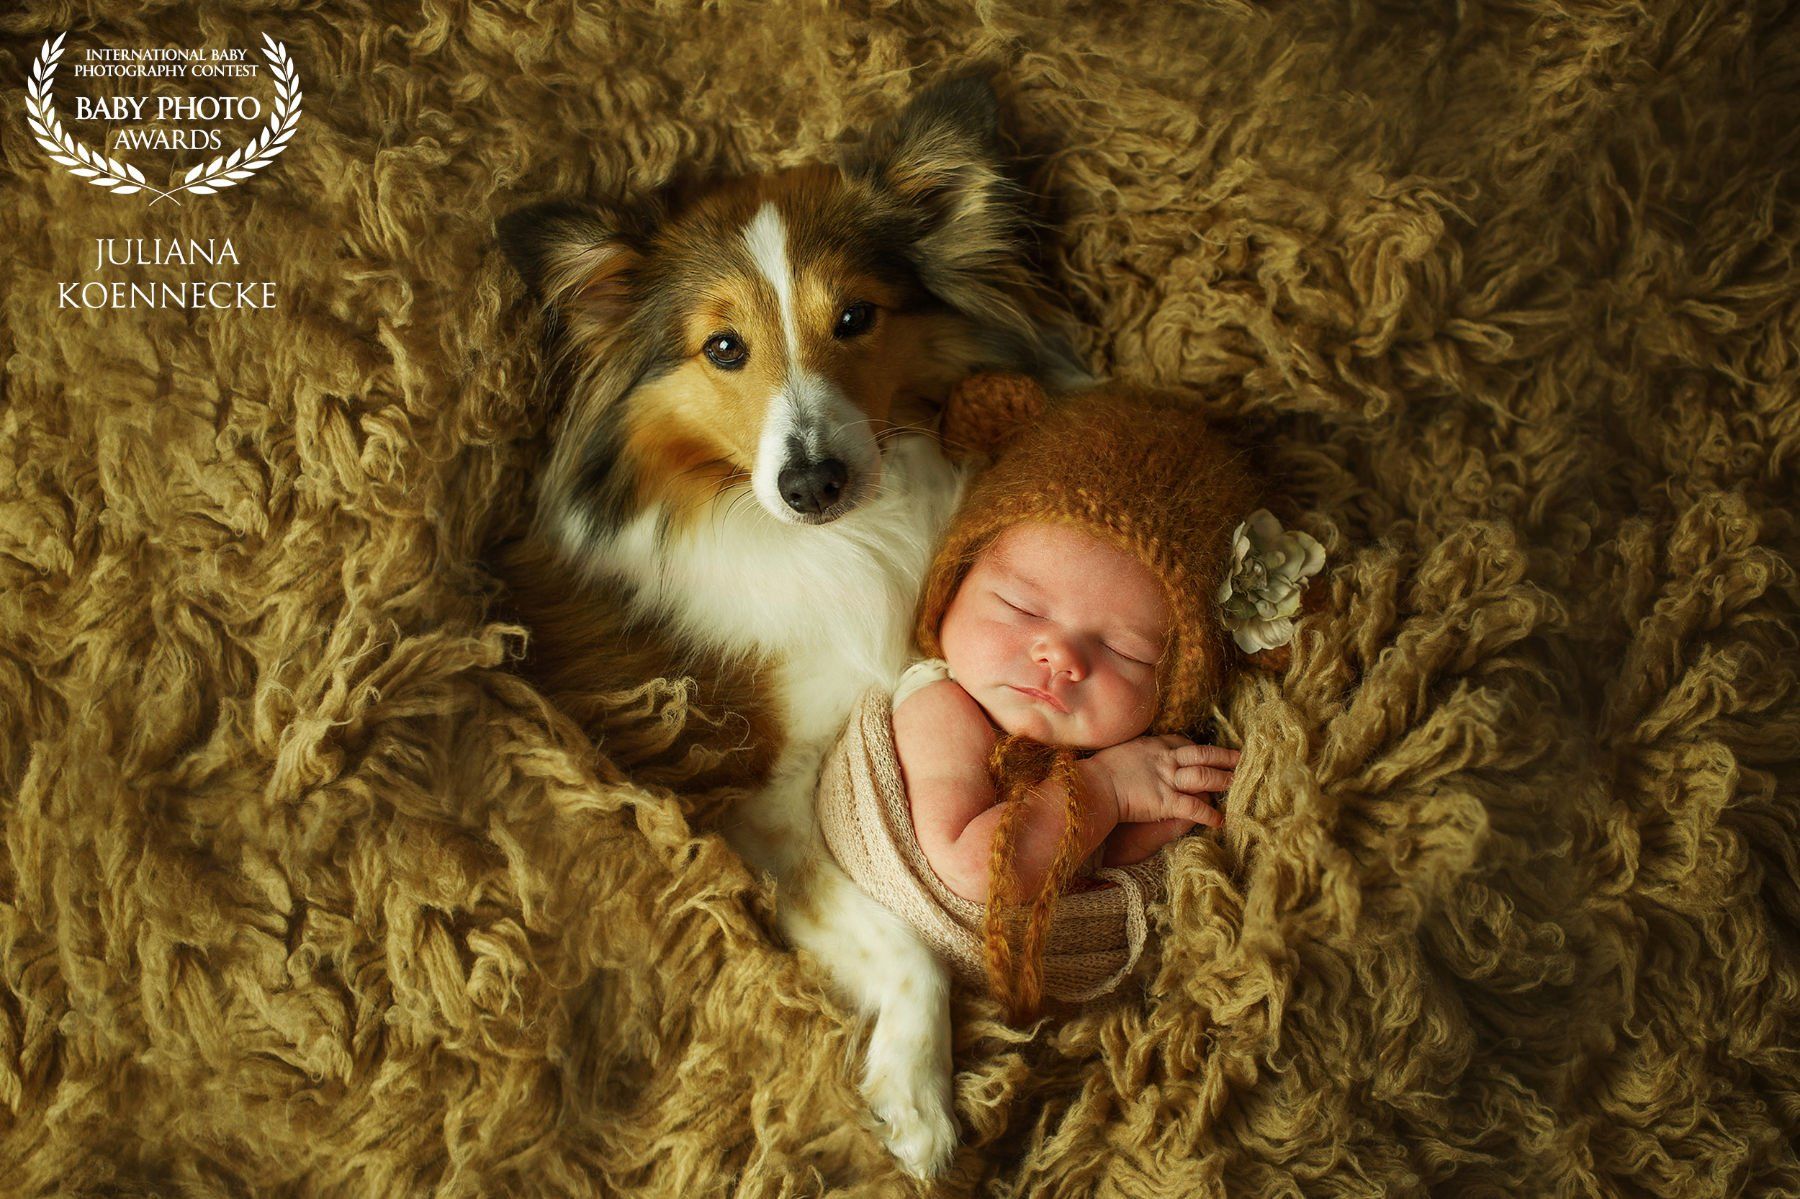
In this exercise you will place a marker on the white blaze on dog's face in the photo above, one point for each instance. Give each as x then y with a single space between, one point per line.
814 440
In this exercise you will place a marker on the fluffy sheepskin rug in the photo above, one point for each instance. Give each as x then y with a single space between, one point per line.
307 888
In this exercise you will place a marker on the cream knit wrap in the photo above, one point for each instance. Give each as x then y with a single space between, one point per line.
1095 936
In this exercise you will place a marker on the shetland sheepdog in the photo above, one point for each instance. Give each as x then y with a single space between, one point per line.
750 375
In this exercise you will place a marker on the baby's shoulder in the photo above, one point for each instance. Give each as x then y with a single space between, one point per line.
942 723
920 674
934 699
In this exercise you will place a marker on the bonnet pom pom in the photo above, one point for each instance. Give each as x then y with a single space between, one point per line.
985 411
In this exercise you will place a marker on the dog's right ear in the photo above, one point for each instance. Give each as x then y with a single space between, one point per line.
577 259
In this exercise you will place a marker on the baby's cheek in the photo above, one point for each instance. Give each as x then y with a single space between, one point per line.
1146 701
992 649
1134 703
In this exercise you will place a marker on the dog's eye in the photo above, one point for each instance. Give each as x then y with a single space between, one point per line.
854 319
725 351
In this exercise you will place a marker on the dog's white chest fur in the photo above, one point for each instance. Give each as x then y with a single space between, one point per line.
830 605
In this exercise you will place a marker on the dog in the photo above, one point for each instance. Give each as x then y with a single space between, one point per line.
750 374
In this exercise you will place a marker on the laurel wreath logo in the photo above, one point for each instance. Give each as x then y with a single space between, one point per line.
123 179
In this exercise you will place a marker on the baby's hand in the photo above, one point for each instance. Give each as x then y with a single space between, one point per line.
1162 777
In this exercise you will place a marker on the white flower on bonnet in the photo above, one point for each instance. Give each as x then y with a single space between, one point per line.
1269 569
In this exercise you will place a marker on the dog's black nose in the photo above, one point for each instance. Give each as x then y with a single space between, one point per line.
812 488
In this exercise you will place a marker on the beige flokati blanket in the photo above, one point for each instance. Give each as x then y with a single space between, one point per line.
1095 936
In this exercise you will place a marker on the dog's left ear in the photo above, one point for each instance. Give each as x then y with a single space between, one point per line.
939 165
941 158
942 152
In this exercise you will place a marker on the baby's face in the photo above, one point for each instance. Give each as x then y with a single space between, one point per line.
1056 635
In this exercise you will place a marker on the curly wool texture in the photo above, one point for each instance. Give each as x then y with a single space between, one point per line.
303 891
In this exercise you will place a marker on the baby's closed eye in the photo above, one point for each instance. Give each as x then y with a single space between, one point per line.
1131 655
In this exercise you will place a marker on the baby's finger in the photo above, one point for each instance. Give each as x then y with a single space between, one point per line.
1202 812
1196 779
1206 755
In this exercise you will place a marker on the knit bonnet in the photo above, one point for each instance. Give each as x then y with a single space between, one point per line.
1138 468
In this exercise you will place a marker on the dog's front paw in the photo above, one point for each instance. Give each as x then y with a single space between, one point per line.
917 1124
906 1079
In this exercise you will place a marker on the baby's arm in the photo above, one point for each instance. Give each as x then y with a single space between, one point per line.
1130 844
943 739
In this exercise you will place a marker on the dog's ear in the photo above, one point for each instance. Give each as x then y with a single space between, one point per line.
941 157
577 259
940 166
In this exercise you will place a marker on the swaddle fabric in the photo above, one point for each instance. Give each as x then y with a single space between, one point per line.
1095 937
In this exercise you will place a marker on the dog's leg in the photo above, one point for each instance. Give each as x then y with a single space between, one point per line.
875 961
882 967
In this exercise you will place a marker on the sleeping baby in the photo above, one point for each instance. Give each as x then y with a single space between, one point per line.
1011 796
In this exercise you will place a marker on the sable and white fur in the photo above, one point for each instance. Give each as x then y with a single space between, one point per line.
784 507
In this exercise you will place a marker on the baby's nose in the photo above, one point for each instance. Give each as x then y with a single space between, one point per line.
1062 656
